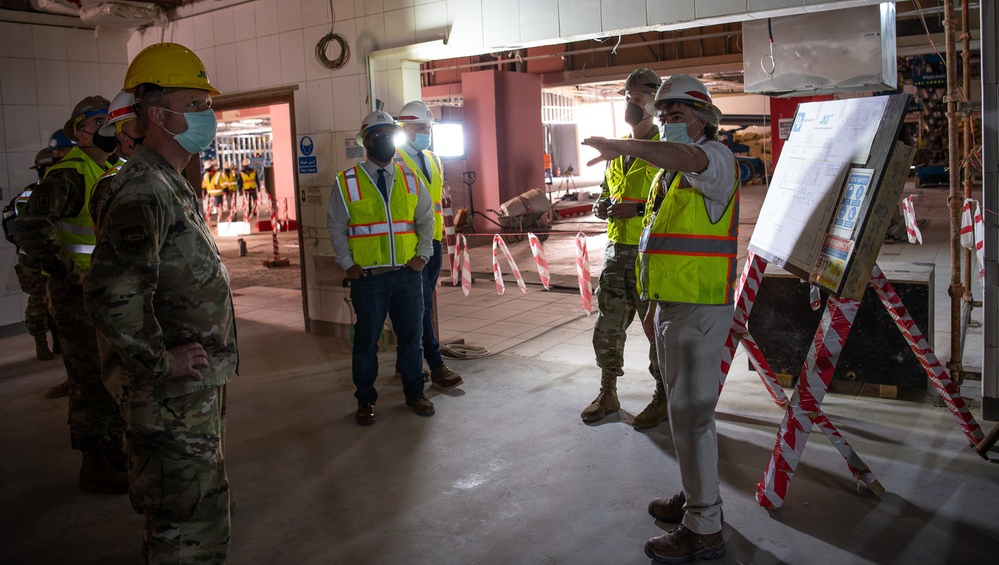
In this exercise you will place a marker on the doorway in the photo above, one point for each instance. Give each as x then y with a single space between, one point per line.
257 232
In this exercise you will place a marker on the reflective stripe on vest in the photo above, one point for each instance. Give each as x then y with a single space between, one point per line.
435 185
630 186
375 238
76 234
683 255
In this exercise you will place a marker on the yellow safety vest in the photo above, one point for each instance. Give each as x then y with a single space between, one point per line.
76 234
249 180
631 186
210 183
227 182
685 257
374 234
434 185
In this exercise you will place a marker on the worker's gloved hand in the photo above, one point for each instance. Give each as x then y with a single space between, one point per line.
600 209
355 272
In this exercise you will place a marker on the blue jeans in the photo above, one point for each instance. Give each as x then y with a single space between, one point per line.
399 295
431 347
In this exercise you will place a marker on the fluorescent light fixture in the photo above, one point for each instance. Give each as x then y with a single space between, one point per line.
449 140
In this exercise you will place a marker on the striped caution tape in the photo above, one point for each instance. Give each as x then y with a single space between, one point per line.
462 266
539 258
911 228
500 245
973 234
583 273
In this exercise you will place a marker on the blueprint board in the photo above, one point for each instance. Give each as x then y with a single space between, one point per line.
822 192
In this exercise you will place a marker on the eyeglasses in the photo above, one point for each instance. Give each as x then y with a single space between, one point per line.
379 135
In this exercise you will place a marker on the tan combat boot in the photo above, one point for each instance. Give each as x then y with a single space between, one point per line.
655 413
605 402
42 352
96 475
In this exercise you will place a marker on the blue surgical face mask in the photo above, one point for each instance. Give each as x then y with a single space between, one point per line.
674 132
200 132
422 141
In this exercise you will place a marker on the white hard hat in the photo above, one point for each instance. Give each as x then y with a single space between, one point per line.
209 163
416 112
374 119
122 109
641 80
684 88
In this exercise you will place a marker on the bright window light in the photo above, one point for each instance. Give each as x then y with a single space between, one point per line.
449 140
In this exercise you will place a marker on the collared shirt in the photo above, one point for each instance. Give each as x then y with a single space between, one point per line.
338 220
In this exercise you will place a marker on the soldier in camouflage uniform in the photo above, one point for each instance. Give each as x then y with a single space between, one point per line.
160 297
30 277
55 231
622 200
121 134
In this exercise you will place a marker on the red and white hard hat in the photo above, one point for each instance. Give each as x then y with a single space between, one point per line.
416 112
122 109
374 119
684 88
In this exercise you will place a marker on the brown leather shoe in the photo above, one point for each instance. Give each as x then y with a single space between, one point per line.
365 414
668 509
444 378
682 545
421 405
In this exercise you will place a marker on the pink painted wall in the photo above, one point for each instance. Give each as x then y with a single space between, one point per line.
503 137
284 158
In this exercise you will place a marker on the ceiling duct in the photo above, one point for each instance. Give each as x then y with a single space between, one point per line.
61 7
119 14
829 52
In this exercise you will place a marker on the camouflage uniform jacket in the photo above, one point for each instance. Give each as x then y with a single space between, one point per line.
61 194
156 282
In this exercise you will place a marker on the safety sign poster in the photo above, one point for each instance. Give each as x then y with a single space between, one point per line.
858 183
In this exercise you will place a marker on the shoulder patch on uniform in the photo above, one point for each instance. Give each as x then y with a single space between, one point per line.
127 215
135 238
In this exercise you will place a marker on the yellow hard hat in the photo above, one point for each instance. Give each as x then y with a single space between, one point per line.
169 65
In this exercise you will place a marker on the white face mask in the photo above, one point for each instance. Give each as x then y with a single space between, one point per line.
674 132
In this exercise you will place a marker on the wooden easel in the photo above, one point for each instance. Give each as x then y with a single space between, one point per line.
803 411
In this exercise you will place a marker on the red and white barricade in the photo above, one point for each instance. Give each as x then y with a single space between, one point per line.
500 245
583 273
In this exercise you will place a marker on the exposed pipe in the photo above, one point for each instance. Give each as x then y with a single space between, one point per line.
591 50
968 141
956 289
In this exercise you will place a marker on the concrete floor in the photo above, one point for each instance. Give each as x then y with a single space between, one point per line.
506 472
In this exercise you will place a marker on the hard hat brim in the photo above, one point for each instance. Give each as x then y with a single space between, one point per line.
653 108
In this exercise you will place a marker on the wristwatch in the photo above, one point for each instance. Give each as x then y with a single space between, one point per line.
426 260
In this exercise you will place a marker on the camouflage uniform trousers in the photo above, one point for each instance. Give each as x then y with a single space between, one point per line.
33 283
94 416
618 302
177 476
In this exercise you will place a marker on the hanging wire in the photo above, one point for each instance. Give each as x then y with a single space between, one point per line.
341 61
763 59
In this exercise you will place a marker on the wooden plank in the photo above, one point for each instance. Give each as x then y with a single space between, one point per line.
876 221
